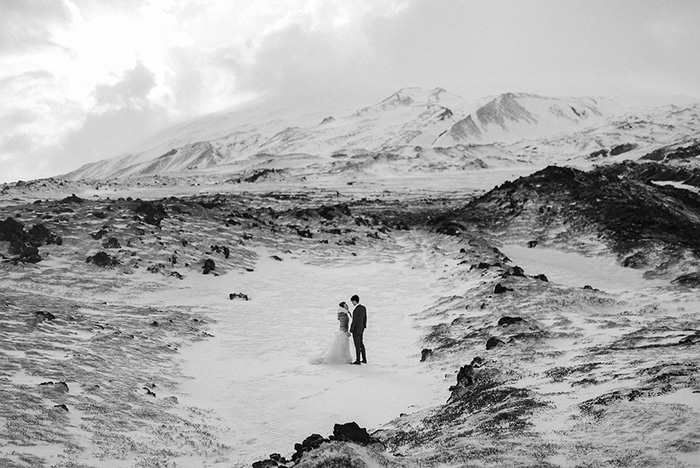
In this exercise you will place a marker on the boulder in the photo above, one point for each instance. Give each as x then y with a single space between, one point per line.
465 376
500 289
505 321
233 296
351 432
112 243
269 463
312 442
425 354
209 266
72 199
25 252
152 213
60 387
103 259
493 343
11 230
98 235
41 316
41 235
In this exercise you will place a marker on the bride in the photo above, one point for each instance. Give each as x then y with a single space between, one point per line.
338 352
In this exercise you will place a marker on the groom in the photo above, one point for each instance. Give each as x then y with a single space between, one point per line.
357 328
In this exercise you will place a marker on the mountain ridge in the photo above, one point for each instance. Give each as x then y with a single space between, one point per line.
405 123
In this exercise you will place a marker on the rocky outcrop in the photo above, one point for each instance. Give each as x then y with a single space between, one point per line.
103 259
24 245
151 213
615 204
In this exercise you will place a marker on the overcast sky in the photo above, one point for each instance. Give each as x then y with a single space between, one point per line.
82 80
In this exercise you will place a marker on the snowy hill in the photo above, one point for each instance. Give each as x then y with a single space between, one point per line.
415 128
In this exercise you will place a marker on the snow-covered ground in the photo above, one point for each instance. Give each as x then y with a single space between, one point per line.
255 372
238 382
577 270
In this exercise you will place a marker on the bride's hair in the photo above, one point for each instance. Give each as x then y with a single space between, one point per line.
343 305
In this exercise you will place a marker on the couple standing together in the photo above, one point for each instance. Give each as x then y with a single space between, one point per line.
338 352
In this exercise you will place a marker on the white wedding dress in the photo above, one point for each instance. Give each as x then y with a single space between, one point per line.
338 351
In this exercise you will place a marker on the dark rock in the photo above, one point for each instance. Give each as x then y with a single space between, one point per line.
542 277
451 228
176 275
514 271
72 199
465 376
60 387
26 252
99 215
636 260
500 289
531 244
691 280
98 235
425 354
623 148
351 432
233 296
493 343
209 266
41 235
156 268
222 250
152 213
41 315
278 458
332 212
602 153
305 233
11 230
112 243
276 257
265 464
505 321
61 407
103 259
312 442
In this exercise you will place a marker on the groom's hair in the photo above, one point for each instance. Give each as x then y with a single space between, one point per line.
355 298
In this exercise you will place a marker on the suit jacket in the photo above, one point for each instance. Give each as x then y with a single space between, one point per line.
359 319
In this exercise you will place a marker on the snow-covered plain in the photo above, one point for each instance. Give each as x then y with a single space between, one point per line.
255 372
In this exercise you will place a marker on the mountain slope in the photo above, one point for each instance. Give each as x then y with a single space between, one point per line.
411 117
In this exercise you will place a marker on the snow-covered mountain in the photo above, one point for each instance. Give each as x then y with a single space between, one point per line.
424 129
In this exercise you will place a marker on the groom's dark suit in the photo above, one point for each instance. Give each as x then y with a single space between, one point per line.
357 328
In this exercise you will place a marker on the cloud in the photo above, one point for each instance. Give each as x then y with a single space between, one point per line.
320 49
123 114
28 25
131 91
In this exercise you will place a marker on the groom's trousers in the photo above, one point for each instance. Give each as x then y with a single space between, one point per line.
359 346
